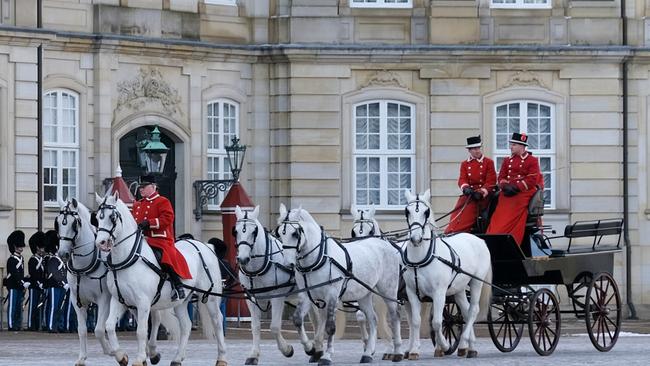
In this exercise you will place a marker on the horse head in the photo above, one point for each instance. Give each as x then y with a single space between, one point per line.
364 223
113 219
293 229
417 212
67 225
246 233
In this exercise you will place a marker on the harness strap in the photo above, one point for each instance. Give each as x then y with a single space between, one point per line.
204 298
161 281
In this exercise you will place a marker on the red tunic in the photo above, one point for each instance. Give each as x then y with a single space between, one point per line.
511 212
158 210
478 174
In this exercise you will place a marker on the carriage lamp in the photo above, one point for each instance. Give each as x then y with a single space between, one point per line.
235 153
206 190
153 152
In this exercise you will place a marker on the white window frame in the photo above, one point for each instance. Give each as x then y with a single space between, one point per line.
220 152
520 4
60 147
383 153
221 2
523 128
382 4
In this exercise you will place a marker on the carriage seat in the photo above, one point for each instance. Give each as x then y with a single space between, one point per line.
595 229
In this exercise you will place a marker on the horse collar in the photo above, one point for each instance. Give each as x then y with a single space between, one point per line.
322 256
428 258
267 260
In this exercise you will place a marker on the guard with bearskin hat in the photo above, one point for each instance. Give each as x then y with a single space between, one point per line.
55 283
36 269
15 279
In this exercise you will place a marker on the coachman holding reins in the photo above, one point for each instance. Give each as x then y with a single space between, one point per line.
519 179
477 181
155 217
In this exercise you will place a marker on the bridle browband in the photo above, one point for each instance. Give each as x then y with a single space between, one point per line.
76 223
427 213
362 221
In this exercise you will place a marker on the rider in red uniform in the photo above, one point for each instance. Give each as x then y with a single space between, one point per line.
155 217
519 179
477 180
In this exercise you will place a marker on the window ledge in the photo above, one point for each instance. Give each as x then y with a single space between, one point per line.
6 208
51 208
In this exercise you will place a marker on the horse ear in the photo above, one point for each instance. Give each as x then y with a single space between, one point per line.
427 195
255 213
283 212
408 195
238 212
371 212
98 198
116 195
75 204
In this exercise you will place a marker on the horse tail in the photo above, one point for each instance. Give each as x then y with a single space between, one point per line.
486 296
170 321
206 321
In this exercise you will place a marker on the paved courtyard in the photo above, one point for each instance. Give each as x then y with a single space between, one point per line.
32 349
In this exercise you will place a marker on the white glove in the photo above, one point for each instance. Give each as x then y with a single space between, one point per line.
66 287
26 285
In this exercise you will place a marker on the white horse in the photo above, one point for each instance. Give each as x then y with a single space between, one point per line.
265 271
135 281
86 272
334 272
428 273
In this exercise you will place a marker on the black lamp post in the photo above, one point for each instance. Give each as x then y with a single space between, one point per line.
205 190
153 152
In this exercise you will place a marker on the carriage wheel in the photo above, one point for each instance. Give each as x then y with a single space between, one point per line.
578 292
603 312
504 324
544 321
452 326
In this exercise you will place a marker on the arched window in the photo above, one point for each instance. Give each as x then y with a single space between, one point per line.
60 145
384 153
535 119
223 125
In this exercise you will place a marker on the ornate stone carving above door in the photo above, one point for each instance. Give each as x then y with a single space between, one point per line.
148 86
524 78
384 78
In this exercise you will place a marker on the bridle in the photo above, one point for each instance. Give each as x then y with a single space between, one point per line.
245 220
299 232
115 216
427 213
76 222
361 221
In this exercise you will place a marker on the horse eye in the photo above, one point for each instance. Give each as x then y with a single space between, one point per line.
295 235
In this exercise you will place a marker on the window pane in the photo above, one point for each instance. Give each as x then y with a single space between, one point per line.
362 125
502 125
393 165
405 125
393 143
502 111
532 110
392 110
373 181
362 164
544 111
362 110
373 142
513 110
361 142
532 142
392 125
545 142
374 197
405 142
502 142
532 126
373 165
514 125
373 126
362 197
373 110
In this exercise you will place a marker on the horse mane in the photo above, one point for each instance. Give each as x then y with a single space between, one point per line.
124 211
296 215
84 212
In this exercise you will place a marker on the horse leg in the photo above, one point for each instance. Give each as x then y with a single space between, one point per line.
414 331
330 327
298 321
361 319
256 315
437 308
463 305
365 304
277 307
114 314
185 327
468 333
394 318
154 356
103 307
212 306
341 325
141 333
383 329
82 331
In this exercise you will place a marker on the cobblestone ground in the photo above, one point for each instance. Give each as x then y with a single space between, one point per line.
27 348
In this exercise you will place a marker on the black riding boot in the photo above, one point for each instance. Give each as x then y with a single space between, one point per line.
178 292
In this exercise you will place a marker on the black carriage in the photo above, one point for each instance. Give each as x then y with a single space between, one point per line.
584 267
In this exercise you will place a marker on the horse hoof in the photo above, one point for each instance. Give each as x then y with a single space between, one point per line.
386 356
366 359
155 358
124 361
462 352
472 354
316 357
398 357
406 355
324 362
290 353
311 351
251 361
438 353
414 356
174 363
221 363
80 363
